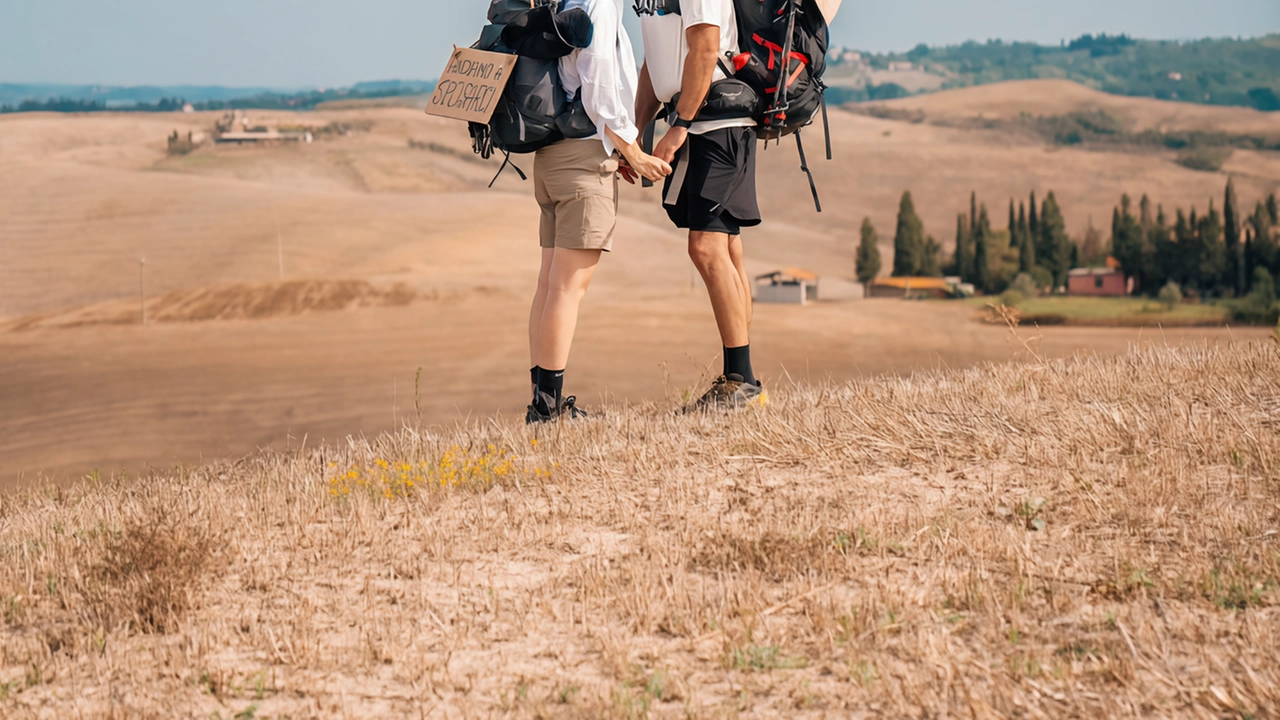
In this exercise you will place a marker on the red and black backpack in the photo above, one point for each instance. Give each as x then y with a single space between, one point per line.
781 60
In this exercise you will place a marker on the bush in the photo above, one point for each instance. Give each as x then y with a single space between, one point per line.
1170 295
179 145
1259 306
1043 277
1204 159
1011 298
1263 289
1025 285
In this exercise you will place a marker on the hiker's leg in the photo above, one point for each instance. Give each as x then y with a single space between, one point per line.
735 254
726 285
539 304
570 274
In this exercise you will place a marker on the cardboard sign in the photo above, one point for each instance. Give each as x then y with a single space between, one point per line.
470 85
829 8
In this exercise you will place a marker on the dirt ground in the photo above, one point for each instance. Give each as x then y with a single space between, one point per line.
84 198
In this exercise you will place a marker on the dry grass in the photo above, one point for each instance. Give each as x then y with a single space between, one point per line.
1093 537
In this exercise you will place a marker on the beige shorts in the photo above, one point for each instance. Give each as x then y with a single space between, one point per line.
576 185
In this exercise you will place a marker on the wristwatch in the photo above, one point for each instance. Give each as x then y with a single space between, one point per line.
679 122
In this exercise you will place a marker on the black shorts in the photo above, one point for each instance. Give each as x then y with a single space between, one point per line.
712 186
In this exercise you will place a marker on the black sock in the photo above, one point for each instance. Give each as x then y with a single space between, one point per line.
737 361
550 382
534 372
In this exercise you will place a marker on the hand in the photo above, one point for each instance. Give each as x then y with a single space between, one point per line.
671 144
627 172
648 167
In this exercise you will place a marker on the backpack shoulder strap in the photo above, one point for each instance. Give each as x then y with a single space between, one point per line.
657 7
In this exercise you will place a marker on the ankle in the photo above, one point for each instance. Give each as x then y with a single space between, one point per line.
737 361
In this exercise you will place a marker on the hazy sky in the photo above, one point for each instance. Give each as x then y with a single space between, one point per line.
332 43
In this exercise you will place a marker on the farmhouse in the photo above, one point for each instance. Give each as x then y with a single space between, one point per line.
1097 282
913 288
789 286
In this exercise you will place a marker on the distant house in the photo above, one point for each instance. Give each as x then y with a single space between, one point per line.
913 288
789 286
1097 282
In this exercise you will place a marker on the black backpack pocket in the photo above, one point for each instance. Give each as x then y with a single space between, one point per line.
525 118
731 99
574 123
728 99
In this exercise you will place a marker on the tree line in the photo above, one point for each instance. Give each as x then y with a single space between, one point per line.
1243 72
1223 254
265 101
1035 242
1211 254
67 105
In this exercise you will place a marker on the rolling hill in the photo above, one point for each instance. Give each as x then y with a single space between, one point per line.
1240 72
86 197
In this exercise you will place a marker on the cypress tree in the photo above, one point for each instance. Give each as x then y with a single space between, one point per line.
1159 253
1273 210
1177 265
868 262
973 213
1027 249
1211 259
964 248
930 263
1013 225
1234 277
1144 220
1056 255
1024 231
908 240
981 259
1127 242
1091 252
1033 223
1264 251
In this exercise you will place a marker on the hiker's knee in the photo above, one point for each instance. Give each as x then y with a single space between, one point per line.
705 249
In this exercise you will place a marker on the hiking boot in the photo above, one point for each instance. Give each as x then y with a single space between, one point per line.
731 392
567 408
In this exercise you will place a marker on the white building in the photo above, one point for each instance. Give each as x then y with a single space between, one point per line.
789 286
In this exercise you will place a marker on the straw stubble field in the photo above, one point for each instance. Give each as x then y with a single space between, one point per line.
1086 537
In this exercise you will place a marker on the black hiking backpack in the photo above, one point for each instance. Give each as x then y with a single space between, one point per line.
782 59
534 111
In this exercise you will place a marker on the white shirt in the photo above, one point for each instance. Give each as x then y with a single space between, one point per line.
666 46
604 72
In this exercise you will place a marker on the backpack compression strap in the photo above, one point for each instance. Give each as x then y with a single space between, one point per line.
804 167
505 163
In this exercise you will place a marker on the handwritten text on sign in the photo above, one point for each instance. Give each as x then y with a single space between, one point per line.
470 86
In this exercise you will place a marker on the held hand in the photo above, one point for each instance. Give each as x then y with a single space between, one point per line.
626 172
671 144
650 167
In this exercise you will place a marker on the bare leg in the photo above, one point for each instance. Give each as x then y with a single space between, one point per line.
570 275
539 304
735 254
727 284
